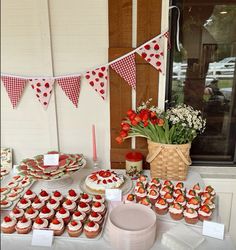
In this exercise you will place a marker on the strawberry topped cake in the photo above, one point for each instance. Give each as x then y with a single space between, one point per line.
17 213
29 195
99 198
204 213
78 215
99 208
44 196
40 223
57 196
72 195
100 180
86 198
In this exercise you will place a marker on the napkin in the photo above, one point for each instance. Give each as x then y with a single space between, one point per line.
181 237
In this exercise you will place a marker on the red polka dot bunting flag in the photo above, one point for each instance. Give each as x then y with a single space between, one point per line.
71 87
153 53
125 67
98 79
14 87
43 89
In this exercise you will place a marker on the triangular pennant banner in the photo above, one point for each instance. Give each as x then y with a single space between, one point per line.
125 67
14 87
98 80
153 53
71 87
43 89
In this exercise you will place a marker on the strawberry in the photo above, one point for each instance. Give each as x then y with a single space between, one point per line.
29 192
145 201
107 173
168 196
209 189
52 201
74 223
155 181
30 210
7 219
3 189
55 221
206 195
77 213
45 210
97 204
93 177
3 203
130 197
139 184
205 208
84 196
43 193
167 183
194 201
72 192
101 173
16 210
178 191
161 201
91 224
82 204
94 214
153 192
208 201
142 178
62 210
180 198
68 202
37 201
190 210
177 206
109 180
24 220
141 190
179 185
39 221
23 201
114 179
12 195
98 181
196 187
192 192
104 181
167 189
57 194
98 197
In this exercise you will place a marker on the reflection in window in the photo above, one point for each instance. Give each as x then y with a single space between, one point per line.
203 73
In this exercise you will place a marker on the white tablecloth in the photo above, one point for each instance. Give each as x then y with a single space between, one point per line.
15 241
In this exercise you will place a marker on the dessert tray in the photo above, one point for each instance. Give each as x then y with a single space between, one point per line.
35 168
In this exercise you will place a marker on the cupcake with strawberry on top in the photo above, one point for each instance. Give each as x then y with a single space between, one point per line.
143 178
169 198
69 205
17 213
84 207
98 198
205 195
161 206
140 194
91 229
31 213
30 195
176 211
63 214
23 226
138 185
204 213
190 215
181 200
46 213
8 225
190 194
194 203
99 208
57 225
168 183
146 202
96 217
57 196
81 216
156 181
153 195
153 186
130 198
53 204
210 203
180 185
211 191
177 192
197 188
44 196
38 204
72 195
40 223
24 204
86 198
165 189
74 228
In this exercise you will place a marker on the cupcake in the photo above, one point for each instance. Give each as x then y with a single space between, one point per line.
138 185
96 217
210 203
197 188
204 213
38 204
86 198
155 181
69 205
44 196
23 226
12 184
31 213
210 190
72 195
177 192
12 196
98 198
57 225
40 223
29 195
165 189
84 207
63 214
194 203
168 183
57 196
74 228
190 216
180 185
140 194
46 213
143 178
176 211
99 208
161 206
153 195
53 204
8 225
169 198
24 203
81 216
152 186
190 193
17 213
130 198
181 200
91 229
146 202
205 195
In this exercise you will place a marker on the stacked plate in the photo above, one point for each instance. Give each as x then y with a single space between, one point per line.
131 227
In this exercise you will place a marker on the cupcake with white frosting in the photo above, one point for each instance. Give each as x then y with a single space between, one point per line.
24 203
17 213
40 223
23 226
69 205
161 206
91 229
8 225
98 198
81 216
74 228
58 227
72 195
63 214
38 204
190 216
30 195
86 198
84 207
46 213
44 195
99 208
176 211
53 204
31 213
57 196
96 217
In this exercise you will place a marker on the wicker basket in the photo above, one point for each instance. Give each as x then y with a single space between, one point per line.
169 161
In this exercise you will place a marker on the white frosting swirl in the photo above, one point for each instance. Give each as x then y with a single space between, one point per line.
153 196
89 199
91 229
72 198
204 213
102 200
141 195
38 205
8 224
69 207
14 215
161 206
57 198
12 184
189 215
192 206
40 226
99 209
74 228
23 224
84 209
24 183
24 206
174 210
57 226
53 206
45 216
169 200
32 216
29 196
44 198
95 219
80 217
63 216
14 197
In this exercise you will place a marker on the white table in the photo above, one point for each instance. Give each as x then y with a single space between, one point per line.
15 241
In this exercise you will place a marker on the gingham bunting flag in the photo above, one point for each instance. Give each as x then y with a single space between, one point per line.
43 89
153 53
125 67
71 87
14 87
98 78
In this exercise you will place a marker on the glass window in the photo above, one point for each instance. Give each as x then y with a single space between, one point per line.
203 74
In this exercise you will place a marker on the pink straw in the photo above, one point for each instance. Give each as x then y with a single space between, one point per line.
94 144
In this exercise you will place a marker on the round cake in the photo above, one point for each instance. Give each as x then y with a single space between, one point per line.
102 179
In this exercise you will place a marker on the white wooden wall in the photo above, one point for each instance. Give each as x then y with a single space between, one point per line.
79 42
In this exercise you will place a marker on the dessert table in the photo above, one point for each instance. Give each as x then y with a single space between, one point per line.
16 241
